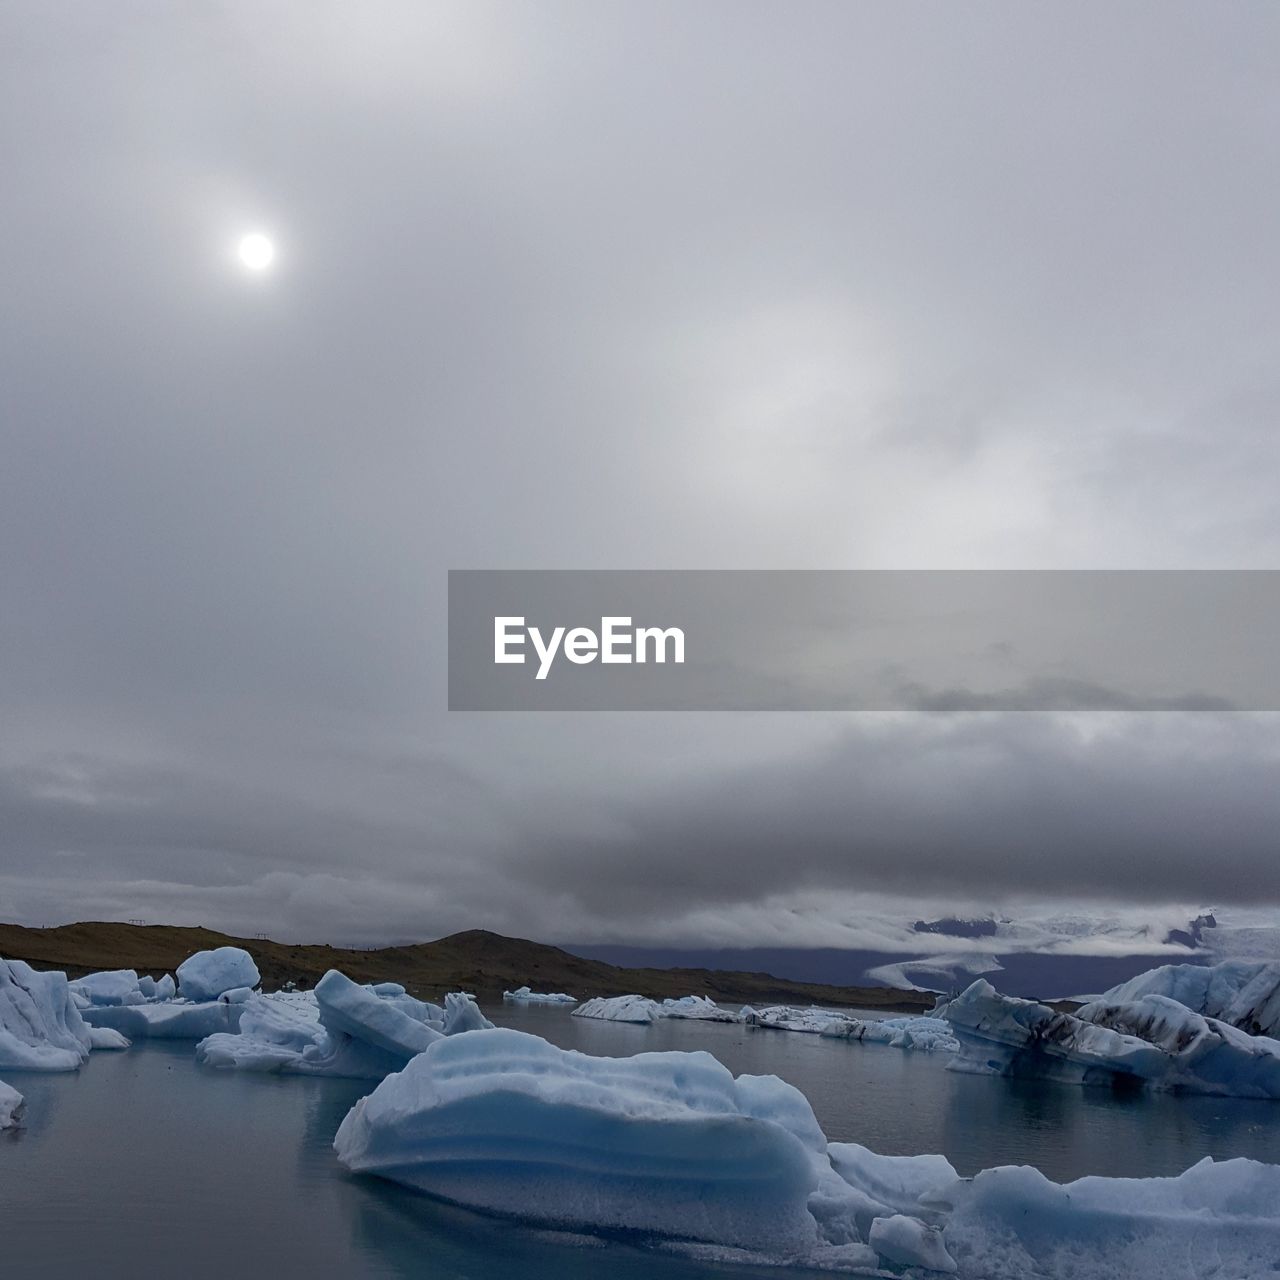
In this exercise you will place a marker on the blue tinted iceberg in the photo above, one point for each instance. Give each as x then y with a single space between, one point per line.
114 986
1219 1220
1243 993
167 1020
40 1027
341 1029
1152 1042
207 974
660 1143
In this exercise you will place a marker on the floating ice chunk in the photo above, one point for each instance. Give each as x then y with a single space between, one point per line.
522 995
1154 1042
10 1106
347 1007
926 1033
113 986
663 1143
207 974
698 1008
461 1013
171 1020
1213 1220
40 1027
106 1038
620 1009
908 1242
341 1029
1245 994
166 988
237 995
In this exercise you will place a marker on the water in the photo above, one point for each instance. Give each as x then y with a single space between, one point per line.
143 1164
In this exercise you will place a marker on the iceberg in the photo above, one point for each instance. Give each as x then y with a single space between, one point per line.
660 1143
1244 994
105 1038
698 1008
340 1029
620 1009
672 1148
930 1034
114 986
1215 1219
40 1026
167 1020
207 974
1152 1042
522 995
10 1106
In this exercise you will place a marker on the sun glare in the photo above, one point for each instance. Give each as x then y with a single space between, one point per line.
256 252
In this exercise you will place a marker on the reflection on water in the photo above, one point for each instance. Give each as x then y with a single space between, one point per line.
143 1164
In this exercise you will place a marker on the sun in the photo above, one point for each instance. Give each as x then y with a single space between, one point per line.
255 251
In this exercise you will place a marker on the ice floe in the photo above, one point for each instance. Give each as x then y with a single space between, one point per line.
207 974
1152 1042
40 1027
10 1106
341 1029
698 1009
929 1034
620 1009
522 995
167 1020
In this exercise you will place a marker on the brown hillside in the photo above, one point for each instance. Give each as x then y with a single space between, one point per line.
477 961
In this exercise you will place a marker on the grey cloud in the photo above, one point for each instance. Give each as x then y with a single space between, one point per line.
651 285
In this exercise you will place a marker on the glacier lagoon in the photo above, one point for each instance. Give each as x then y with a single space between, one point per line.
145 1163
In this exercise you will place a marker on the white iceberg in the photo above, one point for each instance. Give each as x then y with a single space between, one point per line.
40 1027
930 1034
207 974
1245 994
698 1009
341 1029
522 995
908 1242
10 1106
1152 1042
620 1009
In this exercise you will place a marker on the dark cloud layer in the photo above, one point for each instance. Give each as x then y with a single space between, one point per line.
715 285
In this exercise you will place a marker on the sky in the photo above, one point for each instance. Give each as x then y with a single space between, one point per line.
710 285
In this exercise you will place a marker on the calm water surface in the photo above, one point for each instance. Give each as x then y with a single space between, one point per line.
144 1165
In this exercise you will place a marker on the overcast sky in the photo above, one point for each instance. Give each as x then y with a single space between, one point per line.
725 285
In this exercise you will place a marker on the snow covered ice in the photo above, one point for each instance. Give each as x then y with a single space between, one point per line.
207 974
40 1027
342 1029
522 995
